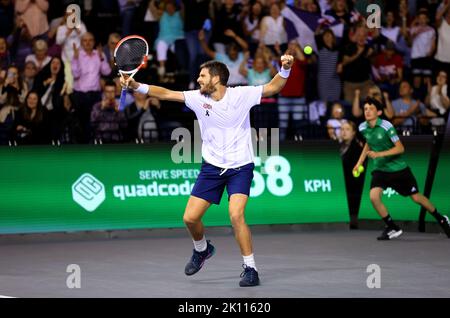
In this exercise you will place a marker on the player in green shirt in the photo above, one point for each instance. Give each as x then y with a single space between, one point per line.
390 170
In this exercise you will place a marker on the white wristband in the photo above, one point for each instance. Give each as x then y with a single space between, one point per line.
284 73
143 89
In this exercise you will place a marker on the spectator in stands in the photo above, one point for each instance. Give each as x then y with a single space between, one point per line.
350 149
261 73
7 118
291 100
8 108
5 57
147 21
6 17
329 82
109 48
87 67
31 122
438 99
272 32
104 13
34 15
195 15
54 49
226 17
29 74
355 65
374 92
232 59
251 26
390 30
40 55
339 11
127 9
19 43
423 38
398 34
49 84
13 89
442 57
388 69
108 124
67 37
134 114
335 122
170 30
406 108
262 70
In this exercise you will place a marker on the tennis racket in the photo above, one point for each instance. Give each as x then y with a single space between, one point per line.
130 55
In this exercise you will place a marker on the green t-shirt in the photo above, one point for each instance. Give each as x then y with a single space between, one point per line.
382 137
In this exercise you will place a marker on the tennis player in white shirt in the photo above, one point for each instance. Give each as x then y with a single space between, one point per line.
224 119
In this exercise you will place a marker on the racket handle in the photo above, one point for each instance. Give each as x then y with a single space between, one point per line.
123 97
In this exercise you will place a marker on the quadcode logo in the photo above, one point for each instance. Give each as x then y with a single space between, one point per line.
88 192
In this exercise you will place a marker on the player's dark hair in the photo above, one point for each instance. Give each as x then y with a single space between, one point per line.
375 102
217 69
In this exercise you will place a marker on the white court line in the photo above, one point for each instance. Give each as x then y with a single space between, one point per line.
2 296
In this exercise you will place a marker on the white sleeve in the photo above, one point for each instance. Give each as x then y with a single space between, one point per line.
250 95
192 99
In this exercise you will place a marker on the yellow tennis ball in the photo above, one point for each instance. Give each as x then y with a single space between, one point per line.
361 169
307 49
355 173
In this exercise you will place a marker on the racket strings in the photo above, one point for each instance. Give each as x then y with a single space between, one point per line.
130 54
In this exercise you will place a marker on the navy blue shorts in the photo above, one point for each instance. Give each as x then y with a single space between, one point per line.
212 181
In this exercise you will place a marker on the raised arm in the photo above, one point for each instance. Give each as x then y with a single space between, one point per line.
153 91
277 83
441 13
204 45
243 67
242 43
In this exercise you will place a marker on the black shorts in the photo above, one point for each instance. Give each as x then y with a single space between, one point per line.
402 181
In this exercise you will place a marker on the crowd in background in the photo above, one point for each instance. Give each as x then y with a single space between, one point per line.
59 84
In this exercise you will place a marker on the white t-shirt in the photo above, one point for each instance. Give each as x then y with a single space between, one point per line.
421 45
391 33
225 125
67 42
443 47
436 101
275 30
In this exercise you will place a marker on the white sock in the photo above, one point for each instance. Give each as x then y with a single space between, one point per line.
249 260
200 246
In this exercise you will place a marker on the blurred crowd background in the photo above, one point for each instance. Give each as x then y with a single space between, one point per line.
59 84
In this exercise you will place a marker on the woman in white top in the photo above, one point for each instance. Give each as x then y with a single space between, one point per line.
272 32
438 99
67 36
423 38
252 24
